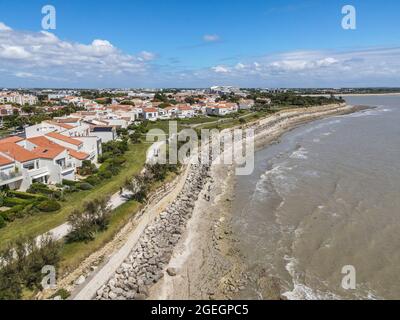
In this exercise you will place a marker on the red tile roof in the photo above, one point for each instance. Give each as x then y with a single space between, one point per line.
14 139
4 161
17 152
46 148
150 109
78 155
62 125
61 137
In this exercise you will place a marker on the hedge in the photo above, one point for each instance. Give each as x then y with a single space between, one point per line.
49 206
70 183
25 195
85 186
12 202
13 213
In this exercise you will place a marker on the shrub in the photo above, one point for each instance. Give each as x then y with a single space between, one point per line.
13 213
105 174
71 189
40 188
23 263
93 180
2 222
25 195
64 294
87 168
12 202
66 182
49 206
94 217
85 186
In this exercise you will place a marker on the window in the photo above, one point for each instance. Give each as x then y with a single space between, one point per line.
29 166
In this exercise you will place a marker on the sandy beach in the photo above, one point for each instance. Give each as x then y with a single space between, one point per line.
207 260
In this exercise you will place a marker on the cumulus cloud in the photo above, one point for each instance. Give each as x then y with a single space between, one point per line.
147 56
43 53
364 67
220 69
4 27
211 38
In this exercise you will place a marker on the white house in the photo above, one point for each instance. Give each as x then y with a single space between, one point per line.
150 114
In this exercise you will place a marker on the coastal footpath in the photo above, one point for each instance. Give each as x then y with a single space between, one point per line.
187 250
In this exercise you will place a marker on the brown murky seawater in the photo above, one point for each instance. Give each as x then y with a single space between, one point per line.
327 196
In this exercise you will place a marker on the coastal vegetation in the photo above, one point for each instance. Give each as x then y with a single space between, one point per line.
21 265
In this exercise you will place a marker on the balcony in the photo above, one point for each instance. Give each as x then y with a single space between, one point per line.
67 167
10 177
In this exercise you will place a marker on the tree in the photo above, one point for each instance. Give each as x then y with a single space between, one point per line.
138 186
22 262
94 218
135 137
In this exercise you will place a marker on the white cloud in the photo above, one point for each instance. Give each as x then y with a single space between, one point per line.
147 56
220 69
24 75
13 52
4 27
364 67
32 53
211 38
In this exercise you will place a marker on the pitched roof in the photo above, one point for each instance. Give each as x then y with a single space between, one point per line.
150 109
4 161
17 152
61 137
46 148
185 108
62 125
14 139
78 155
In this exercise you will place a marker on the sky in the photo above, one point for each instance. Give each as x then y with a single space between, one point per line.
199 43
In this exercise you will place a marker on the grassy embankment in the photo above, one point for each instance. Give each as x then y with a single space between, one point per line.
43 222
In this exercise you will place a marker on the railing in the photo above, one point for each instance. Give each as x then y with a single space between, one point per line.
67 166
9 176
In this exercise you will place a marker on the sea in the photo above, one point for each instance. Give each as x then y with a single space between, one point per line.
321 211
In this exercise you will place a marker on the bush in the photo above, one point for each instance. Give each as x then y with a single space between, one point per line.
12 202
25 195
40 188
64 294
71 189
66 182
2 222
85 186
94 217
49 206
23 263
93 180
13 213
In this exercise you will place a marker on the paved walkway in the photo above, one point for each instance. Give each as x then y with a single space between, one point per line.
89 289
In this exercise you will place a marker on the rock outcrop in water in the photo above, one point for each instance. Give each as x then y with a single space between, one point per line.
146 263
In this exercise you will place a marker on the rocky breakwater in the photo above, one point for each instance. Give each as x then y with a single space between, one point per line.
146 263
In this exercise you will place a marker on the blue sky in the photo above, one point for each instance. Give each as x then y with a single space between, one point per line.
177 43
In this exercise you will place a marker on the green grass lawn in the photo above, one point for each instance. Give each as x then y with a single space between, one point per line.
43 222
72 254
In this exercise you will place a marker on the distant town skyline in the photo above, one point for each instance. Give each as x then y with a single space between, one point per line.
176 43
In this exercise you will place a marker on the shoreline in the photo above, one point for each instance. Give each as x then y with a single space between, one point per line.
207 260
184 248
